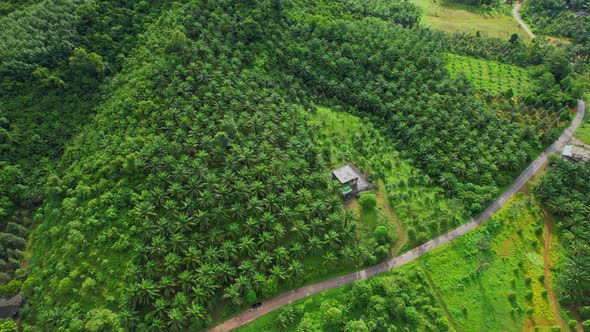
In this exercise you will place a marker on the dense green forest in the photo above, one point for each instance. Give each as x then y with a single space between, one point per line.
565 192
159 153
55 55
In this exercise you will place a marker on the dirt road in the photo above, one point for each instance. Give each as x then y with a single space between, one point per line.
520 21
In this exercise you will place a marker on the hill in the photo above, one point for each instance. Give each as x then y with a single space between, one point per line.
192 180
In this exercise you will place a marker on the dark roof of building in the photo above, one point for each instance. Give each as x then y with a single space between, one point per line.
9 307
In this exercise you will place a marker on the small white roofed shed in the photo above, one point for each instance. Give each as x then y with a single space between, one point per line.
345 174
351 179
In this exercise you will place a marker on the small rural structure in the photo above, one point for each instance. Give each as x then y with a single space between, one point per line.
9 307
352 181
576 153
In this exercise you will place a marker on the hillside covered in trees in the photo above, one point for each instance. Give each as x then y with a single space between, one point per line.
159 153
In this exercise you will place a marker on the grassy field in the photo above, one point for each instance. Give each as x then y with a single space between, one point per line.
490 76
493 278
451 17
583 131
422 209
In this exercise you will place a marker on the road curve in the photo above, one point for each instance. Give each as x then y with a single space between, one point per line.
520 21
297 294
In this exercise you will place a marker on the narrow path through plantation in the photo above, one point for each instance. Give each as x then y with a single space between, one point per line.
300 293
520 21
547 269
382 196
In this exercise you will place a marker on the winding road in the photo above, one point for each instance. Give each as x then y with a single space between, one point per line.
520 21
297 294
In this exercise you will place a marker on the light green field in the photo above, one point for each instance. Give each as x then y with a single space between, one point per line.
452 17
490 76
486 289
583 131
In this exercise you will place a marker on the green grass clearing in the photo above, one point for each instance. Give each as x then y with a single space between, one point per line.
423 209
490 76
583 131
453 17
491 279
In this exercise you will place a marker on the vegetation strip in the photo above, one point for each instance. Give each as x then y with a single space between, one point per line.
520 21
297 294
546 269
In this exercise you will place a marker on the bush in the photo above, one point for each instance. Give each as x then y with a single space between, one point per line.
381 253
381 235
4 278
573 324
586 325
251 296
10 288
512 297
368 201
8 325
584 312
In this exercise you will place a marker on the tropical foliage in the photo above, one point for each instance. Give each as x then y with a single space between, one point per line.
564 191
166 151
400 300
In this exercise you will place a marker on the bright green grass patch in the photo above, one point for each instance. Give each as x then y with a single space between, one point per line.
423 209
583 131
452 17
490 279
490 76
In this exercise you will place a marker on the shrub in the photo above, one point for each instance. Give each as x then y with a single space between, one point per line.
368 201
573 324
529 295
381 253
584 312
251 296
8 325
512 297
586 325
10 288
4 278
381 235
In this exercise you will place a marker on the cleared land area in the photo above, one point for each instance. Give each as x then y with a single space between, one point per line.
452 17
583 131
490 76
